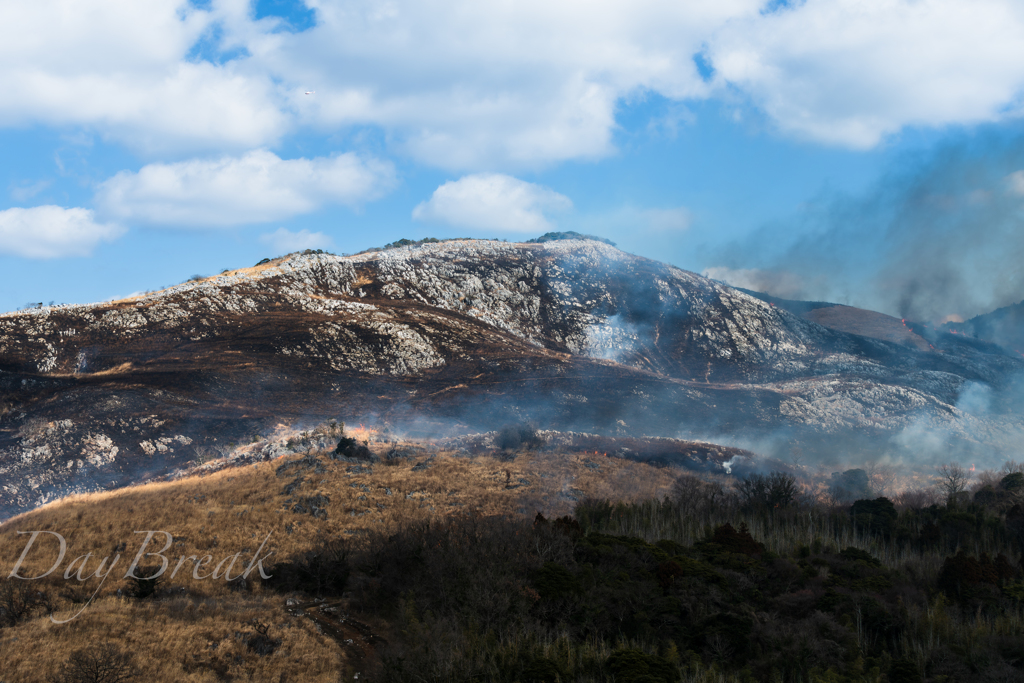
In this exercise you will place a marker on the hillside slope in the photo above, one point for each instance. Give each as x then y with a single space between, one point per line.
472 334
1003 326
192 629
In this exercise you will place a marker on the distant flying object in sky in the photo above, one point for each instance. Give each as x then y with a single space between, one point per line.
311 92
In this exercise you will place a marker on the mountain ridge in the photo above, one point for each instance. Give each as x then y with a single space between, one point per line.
462 334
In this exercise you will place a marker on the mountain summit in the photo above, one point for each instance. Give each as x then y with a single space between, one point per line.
568 334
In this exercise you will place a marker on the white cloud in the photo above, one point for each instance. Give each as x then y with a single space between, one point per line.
255 188
123 68
465 84
469 85
492 201
51 232
850 72
25 191
284 241
460 84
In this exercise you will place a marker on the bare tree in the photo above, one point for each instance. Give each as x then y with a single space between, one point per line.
986 478
796 457
101 664
952 480
914 499
775 490
1012 466
18 601
696 496
832 498
881 477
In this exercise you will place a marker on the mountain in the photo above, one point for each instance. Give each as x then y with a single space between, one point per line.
467 335
849 319
1003 326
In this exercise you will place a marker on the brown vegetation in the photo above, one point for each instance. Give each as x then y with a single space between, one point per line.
420 559
207 630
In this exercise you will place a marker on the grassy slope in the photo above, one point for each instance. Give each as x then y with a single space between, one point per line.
195 630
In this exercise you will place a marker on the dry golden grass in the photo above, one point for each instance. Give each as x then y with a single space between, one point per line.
177 639
232 511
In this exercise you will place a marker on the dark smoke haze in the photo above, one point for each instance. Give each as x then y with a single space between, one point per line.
940 235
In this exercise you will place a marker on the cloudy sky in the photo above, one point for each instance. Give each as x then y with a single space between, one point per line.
863 151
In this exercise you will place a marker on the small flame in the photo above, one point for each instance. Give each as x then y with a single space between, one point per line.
362 432
972 467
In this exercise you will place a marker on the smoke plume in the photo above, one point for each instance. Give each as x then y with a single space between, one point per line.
940 235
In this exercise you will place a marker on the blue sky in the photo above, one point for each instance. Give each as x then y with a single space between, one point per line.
869 152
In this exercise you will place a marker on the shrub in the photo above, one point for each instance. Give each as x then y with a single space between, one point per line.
555 581
567 235
145 585
878 516
851 484
766 492
514 437
19 601
405 242
989 496
963 572
737 541
260 642
348 447
858 555
1015 524
104 664
1012 482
